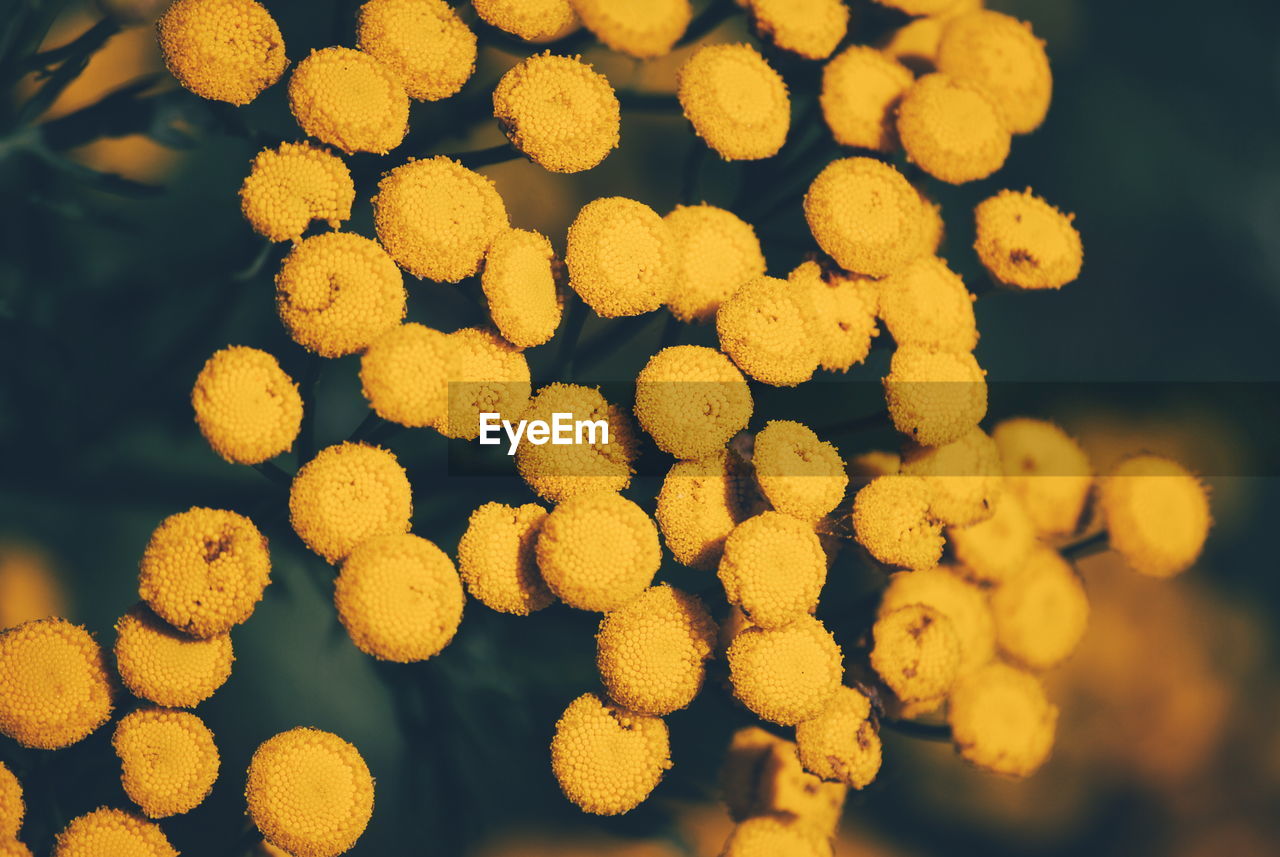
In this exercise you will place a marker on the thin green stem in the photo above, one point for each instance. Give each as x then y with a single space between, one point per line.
484 157
649 102
916 729
878 419
1096 543
569 336
274 472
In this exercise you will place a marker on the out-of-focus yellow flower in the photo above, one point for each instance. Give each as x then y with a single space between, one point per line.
168 760
487 374
13 848
716 252
964 477
810 28
786 675
1157 514
621 257
761 775
293 184
350 100
1026 243
735 100
224 50
1001 720
840 313
167 667
531 20
12 807
934 397
841 743
404 375
54 688
952 129
865 215
798 473
768 836
338 292
891 520
877 462
640 28
607 759
699 505
520 285
560 112
1001 53
29 587
309 792
498 561
861 86
994 549
920 7
1041 611
964 605
423 42
348 493
204 570
691 400
598 551
762 327
916 653
112 833
1046 470
557 471
773 568
926 304
247 408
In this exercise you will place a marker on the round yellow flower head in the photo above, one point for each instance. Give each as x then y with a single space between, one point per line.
498 561
735 100
437 218
486 374
350 100
810 28
520 285
1046 470
762 327
292 185
762 776
640 28
920 7
558 472
531 20
54 688
168 760
309 792
621 257
916 652
1001 720
598 551
926 304
399 597
964 477
112 833
404 375
773 568
1041 611
13 848
164 666
224 50
348 493
607 759
1001 53
841 743
934 397
204 570
786 675
772 836
952 129
798 474
1026 243
652 653
915 43
338 292
861 87
560 112
865 215
716 252
12 807
891 520
992 550
699 505
840 313
964 605
247 408
423 42
691 400
1157 514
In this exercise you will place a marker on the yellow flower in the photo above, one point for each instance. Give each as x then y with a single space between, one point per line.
164 666
770 836
486 375
437 218
762 327
560 112
952 129
964 605
691 400
293 184
964 477
1157 514
934 398
1025 242
891 520
13 848
224 50
699 505
348 493
810 28
1001 720
652 653
531 20
841 743
498 561
309 792
641 28
338 292
607 759
861 87
916 653
598 551
926 304
12 808
716 252
404 375
735 100
798 474
840 310
994 549
168 759
348 99
520 283
786 675
773 568
558 472
621 257
865 215
29 587
112 833
762 775
54 688
1001 53
247 408
920 7
423 42
1041 611
204 570
1047 471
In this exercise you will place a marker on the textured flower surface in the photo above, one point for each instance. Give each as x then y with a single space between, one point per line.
557 472
963 604
840 313
247 408
916 653
531 20
598 551
163 665
404 375
798 473
952 129
891 520
12 806
842 742
926 304
423 42
935 397
964 478
608 759
1047 470
691 400
293 184
168 760
861 86
521 285
1001 53
773 568
224 50
350 100
700 503
810 28
112 833
736 102
865 215
621 257
641 28
1001 720
497 558
764 836
346 494
1025 242
716 252
786 675
762 328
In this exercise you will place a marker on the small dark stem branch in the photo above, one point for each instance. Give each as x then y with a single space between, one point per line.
248 841
1087 546
484 157
367 427
569 335
671 332
649 102
87 42
307 434
252 270
710 18
916 729
692 170
879 419
274 472
618 335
